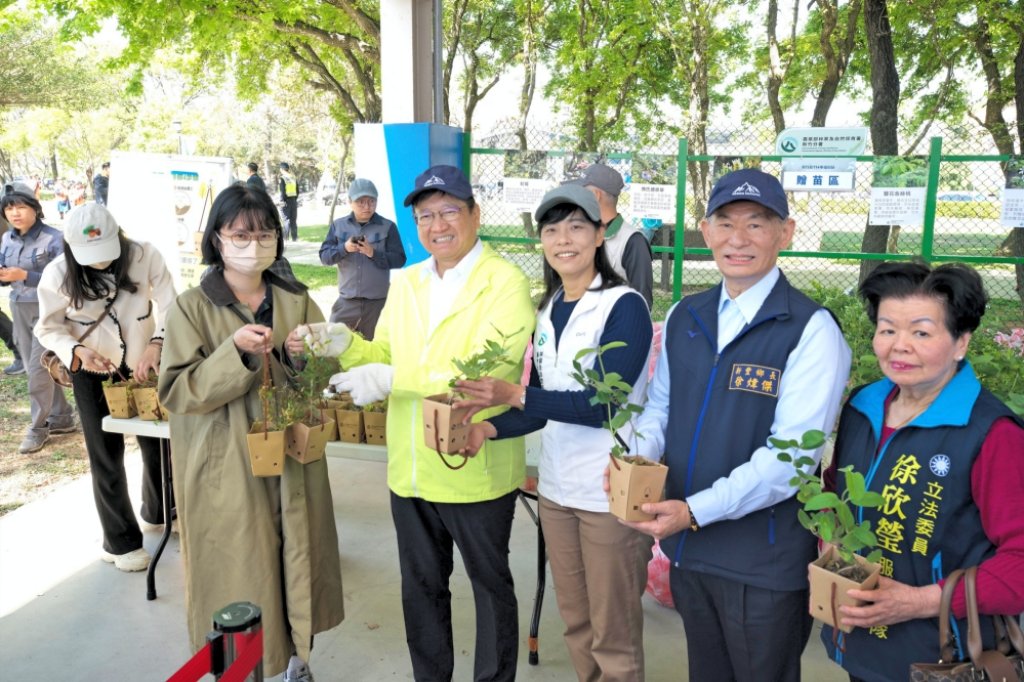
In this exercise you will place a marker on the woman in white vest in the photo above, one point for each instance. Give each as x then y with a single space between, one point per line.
599 565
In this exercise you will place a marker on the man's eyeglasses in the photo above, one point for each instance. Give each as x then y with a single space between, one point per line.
449 215
365 201
241 240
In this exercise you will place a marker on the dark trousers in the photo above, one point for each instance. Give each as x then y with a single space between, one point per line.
360 314
481 531
7 334
291 214
739 632
121 533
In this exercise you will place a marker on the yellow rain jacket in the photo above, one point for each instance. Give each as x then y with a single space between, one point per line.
496 295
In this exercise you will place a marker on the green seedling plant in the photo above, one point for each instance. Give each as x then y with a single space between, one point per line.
484 362
611 391
827 515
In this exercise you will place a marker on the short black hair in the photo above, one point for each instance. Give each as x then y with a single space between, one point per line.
106 164
552 280
19 199
957 286
253 206
253 167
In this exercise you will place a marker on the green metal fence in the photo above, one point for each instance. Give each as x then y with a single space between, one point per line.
961 220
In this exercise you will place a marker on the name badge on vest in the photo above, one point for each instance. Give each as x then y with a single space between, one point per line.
755 379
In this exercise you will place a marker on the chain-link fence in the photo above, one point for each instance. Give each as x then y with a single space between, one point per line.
962 216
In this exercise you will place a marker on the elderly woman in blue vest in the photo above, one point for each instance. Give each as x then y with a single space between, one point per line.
24 251
948 457
598 564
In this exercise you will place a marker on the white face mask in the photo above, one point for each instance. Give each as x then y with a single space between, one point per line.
102 265
252 260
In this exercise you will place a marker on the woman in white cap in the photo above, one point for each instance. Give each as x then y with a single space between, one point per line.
599 566
24 251
105 279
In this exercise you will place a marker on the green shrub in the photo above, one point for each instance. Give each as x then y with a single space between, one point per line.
998 368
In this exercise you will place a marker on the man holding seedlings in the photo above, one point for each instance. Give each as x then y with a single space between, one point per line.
445 307
746 360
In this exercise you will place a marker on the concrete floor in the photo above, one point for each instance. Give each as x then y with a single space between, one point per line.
65 615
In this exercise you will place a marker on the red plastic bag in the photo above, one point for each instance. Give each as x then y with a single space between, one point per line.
657 577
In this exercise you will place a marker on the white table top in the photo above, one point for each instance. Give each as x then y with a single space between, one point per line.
137 427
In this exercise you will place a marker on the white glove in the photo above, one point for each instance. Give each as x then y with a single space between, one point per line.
326 339
366 383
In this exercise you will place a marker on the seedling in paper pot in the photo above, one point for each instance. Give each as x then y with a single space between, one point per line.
632 480
829 517
825 514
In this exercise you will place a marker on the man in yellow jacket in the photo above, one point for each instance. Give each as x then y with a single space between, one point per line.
445 307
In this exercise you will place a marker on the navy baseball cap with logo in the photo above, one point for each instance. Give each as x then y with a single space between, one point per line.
447 179
749 184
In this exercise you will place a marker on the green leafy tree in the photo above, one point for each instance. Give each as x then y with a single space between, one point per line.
336 44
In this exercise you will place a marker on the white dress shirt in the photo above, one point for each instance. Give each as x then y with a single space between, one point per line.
810 393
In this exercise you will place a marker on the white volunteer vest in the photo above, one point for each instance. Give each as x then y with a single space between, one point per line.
573 457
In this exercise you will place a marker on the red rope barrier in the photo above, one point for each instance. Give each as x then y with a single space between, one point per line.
250 653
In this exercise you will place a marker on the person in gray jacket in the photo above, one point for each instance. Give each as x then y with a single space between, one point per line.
364 246
24 251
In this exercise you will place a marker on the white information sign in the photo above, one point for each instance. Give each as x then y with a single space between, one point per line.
524 194
896 206
1012 214
817 180
653 201
822 141
165 199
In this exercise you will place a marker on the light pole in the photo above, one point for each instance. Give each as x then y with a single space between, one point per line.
176 127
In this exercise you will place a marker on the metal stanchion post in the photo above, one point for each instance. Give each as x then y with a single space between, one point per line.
238 618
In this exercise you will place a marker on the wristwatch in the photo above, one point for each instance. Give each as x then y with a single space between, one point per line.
522 398
694 526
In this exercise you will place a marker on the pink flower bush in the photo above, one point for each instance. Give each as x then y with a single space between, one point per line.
1014 340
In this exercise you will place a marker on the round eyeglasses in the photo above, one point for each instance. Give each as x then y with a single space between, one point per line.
241 240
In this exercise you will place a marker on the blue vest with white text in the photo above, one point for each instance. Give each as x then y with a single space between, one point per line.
721 409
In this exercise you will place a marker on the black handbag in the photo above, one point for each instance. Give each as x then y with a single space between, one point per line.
991 665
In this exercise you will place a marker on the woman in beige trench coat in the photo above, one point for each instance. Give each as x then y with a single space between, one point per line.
270 541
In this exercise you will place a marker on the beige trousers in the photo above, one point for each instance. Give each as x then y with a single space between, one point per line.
599 568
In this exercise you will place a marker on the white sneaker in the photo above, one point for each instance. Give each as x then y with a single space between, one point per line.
136 560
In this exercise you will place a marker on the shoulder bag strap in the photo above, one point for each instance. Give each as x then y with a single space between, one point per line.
995 664
106 309
947 652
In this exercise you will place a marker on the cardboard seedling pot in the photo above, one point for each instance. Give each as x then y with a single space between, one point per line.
822 581
307 443
147 404
266 451
375 424
632 485
119 400
443 429
350 425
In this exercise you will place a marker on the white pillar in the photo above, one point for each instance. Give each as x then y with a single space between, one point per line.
406 62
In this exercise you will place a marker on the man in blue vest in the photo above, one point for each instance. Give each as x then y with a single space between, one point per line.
746 360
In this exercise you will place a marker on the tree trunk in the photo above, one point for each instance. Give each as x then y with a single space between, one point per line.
885 97
835 62
776 72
